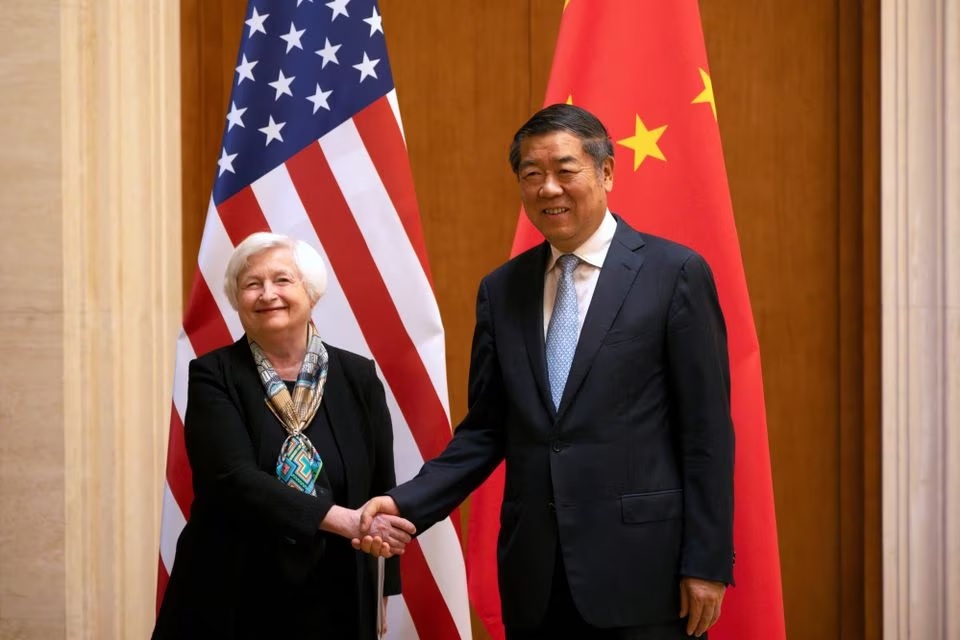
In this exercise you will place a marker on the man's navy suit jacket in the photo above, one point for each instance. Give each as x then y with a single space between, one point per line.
632 476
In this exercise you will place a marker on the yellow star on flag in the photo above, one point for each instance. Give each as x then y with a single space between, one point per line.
570 99
707 94
644 143
565 3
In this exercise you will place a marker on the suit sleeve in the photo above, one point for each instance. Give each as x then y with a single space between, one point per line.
383 472
478 443
700 386
223 460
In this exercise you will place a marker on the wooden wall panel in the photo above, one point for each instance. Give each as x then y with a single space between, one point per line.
797 98
544 25
209 40
870 291
794 86
774 72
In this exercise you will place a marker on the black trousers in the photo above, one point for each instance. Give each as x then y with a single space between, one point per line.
562 620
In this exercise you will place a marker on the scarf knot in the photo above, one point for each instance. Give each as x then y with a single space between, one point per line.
298 464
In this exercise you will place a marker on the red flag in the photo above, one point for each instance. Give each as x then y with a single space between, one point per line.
313 148
641 67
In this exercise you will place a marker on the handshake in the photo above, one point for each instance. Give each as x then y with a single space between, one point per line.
381 530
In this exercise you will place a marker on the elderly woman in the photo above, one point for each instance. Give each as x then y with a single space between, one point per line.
287 437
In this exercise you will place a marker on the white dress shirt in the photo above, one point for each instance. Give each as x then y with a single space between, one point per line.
592 253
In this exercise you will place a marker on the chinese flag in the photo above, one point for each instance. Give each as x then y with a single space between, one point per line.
641 67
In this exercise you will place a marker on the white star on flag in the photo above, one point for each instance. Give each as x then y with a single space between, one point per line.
226 162
299 2
339 9
282 86
319 99
272 131
328 53
246 70
375 22
293 37
256 23
366 68
235 117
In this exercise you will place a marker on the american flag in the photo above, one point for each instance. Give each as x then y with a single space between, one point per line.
313 148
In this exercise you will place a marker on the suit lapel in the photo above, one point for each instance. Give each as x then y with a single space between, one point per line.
619 271
531 298
265 431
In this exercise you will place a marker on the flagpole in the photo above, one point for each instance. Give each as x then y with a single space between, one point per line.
380 611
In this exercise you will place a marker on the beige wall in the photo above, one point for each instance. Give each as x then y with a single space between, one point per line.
90 275
32 602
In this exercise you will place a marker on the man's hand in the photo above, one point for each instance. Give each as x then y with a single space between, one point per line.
375 505
377 516
700 602
393 531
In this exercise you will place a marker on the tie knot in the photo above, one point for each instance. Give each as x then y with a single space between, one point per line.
568 262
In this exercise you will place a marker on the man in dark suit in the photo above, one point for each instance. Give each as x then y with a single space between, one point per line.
599 373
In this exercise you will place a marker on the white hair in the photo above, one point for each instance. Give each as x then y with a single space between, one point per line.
307 260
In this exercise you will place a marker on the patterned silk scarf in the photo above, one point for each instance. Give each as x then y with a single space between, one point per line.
298 464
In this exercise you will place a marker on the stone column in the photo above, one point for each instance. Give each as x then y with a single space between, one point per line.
120 117
90 276
920 67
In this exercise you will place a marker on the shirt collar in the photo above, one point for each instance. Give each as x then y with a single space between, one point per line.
594 249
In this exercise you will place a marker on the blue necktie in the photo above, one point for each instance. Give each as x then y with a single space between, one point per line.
564 328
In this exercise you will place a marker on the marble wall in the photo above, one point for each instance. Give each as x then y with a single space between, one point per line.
90 270
32 473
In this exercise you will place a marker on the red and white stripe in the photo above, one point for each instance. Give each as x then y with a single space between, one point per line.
351 197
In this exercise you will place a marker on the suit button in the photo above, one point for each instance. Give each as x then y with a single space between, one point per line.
552 506
557 447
